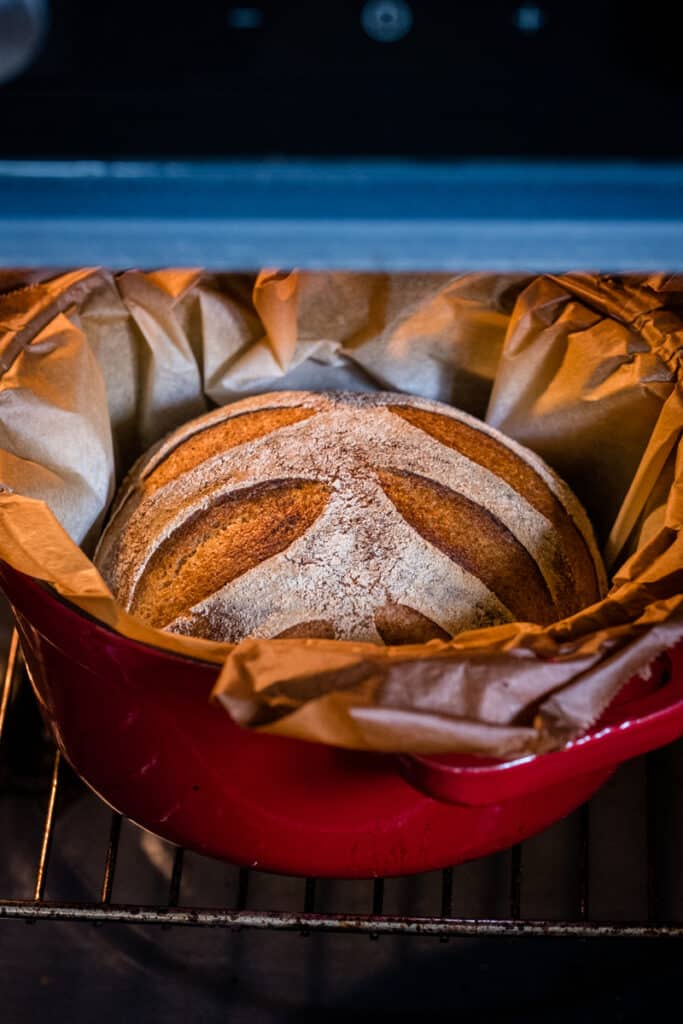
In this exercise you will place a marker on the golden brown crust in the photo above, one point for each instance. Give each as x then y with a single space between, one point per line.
399 624
221 438
217 544
578 568
471 536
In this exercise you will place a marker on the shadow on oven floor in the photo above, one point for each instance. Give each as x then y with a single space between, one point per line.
58 972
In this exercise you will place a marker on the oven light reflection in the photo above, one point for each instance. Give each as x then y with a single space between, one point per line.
529 18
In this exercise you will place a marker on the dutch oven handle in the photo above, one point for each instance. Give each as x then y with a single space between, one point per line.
633 728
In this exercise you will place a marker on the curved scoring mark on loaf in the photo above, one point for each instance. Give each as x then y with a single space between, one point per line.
421 454
221 437
398 624
475 539
575 569
222 542
318 629
183 450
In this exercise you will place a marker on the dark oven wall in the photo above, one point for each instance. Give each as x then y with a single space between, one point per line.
591 78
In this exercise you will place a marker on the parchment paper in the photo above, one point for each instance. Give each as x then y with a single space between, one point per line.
586 370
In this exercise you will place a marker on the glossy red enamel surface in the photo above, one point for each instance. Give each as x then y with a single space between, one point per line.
137 725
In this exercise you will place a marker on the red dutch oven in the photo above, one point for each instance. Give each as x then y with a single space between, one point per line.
136 723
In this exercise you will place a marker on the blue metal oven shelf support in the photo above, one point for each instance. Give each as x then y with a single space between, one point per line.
354 214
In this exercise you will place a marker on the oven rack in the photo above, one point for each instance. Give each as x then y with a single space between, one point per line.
442 922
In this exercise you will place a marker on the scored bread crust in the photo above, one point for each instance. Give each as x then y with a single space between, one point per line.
373 516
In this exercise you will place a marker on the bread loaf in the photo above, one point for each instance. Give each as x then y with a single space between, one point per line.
377 517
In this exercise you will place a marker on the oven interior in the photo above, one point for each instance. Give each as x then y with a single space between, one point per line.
581 920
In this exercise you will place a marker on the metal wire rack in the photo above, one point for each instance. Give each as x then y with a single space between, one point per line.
661 892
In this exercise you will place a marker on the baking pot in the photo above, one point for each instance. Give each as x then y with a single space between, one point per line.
136 724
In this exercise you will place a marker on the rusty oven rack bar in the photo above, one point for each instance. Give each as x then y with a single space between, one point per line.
375 923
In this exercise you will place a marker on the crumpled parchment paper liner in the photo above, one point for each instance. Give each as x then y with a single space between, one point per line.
586 370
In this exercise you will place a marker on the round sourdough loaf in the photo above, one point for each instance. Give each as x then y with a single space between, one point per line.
378 517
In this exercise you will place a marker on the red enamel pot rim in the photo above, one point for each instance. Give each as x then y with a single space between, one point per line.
647 713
